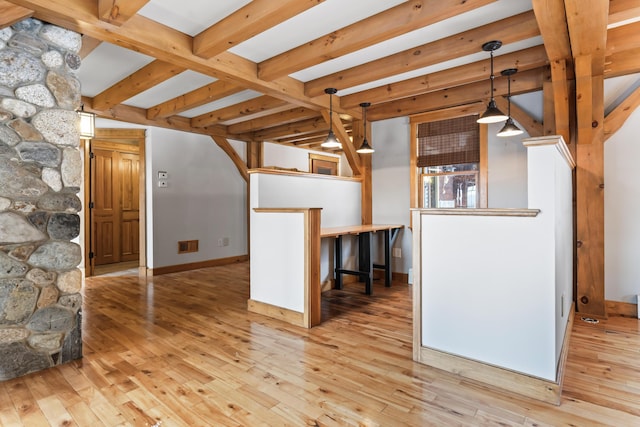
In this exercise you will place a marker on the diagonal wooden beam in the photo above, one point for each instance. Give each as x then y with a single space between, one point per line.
11 13
246 22
615 119
117 12
408 16
523 60
257 107
343 136
527 81
508 30
272 120
531 125
224 144
166 44
203 95
143 79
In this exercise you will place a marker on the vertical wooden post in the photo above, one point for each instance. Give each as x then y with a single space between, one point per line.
590 189
365 172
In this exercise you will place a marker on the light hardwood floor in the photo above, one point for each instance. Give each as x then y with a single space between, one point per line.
181 349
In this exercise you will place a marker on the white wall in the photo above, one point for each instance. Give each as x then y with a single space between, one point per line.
390 182
205 198
293 157
621 207
507 169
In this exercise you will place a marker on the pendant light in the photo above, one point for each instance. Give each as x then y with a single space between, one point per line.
509 128
331 141
492 114
365 148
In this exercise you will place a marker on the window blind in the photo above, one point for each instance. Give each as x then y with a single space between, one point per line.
449 142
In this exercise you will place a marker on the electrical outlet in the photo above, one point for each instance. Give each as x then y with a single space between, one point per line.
225 241
397 252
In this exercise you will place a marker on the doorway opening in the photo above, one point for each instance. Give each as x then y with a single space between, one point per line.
115 232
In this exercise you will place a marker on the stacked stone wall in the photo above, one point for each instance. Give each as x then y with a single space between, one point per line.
40 176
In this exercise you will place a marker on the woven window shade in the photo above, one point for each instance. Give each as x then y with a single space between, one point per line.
449 142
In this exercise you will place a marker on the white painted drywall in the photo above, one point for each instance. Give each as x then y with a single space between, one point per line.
290 157
390 183
277 259
621 208
507 169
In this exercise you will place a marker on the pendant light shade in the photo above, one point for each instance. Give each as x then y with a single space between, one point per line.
331 141
365 148
509 128
492 114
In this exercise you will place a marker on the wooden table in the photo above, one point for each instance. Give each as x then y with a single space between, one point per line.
365 249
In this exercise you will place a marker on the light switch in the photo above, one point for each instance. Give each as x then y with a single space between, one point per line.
162 183
163 175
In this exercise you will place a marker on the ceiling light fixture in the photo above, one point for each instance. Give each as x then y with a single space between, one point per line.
331 141
87 123
509 128
492 113
365 148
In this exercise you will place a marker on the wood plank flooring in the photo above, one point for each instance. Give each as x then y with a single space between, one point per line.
182 350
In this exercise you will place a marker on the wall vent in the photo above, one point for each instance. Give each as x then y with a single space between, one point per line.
186 246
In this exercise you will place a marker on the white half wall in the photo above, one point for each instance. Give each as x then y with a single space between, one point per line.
621 207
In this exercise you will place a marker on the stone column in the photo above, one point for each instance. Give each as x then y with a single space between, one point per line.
40 176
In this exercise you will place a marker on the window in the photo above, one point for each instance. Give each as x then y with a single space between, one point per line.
449 162
325 165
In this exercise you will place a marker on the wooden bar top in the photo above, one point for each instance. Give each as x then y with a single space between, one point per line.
356 229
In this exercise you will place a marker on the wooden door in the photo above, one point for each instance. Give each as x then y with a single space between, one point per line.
116 204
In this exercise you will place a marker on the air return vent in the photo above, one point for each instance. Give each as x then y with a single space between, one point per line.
187 246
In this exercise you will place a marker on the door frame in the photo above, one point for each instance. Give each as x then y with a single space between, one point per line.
118 136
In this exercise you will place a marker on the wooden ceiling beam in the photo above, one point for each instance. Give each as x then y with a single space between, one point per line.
125 113
526 81
508 30
398 20
11 13
299 128
203 95
623 38
523 60
248 21
622 63
145 78
88 45
253 108
166 44
281 118
552 21
118 12
587 22
622 10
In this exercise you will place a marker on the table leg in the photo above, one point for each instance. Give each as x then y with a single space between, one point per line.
338 263
387 258
366 261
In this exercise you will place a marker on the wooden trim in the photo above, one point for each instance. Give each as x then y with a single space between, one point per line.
282 210
416 220
556 140
294 317
142 208
313 295
88 264
195 265
306 174
11 13
481 212
415 196
313 156
624 309
483 199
